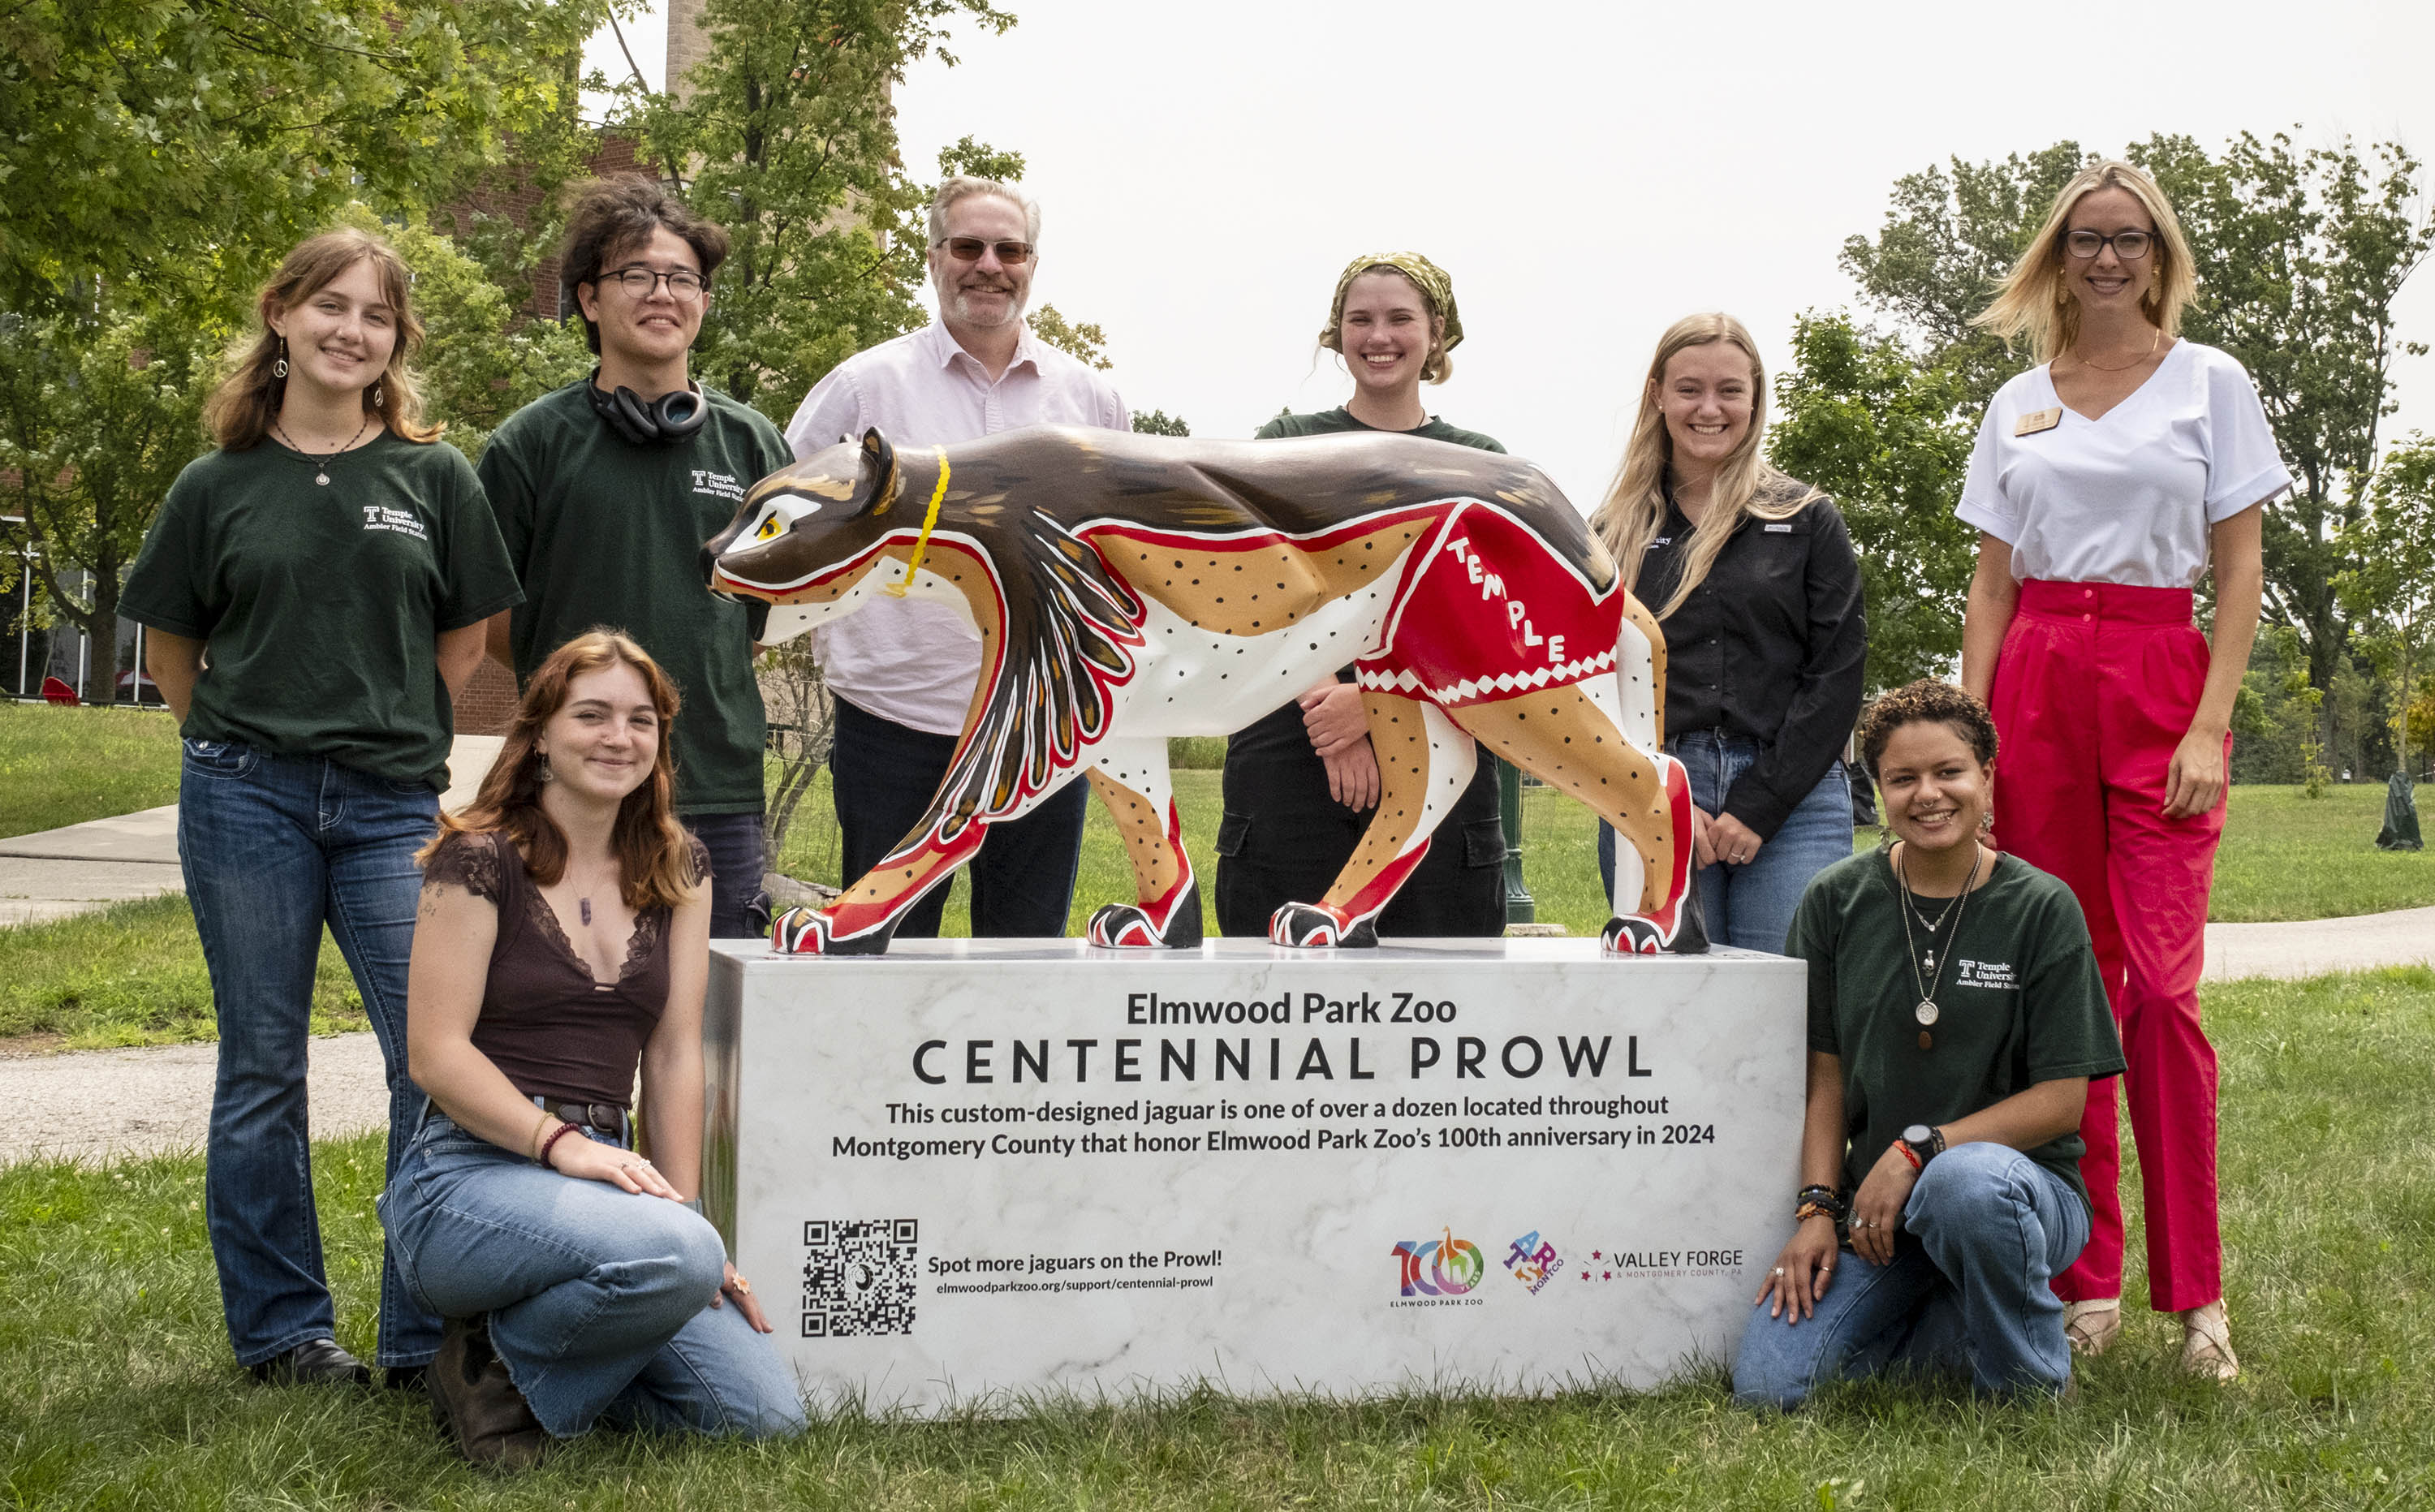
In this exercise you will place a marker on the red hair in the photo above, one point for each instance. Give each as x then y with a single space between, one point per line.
654 854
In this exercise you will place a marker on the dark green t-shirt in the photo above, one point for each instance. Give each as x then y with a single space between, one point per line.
2018 996
1329 421
320 605
603 531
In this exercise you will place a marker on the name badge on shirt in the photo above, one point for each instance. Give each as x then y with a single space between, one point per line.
2038 419
1777 530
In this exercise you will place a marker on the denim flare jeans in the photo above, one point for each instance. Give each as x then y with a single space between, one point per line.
273 849
600 1298
1751 907
1972 1297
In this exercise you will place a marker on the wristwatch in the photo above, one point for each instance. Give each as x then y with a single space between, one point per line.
1925 1141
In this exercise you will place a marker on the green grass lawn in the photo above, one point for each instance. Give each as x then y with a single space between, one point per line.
132 975
116 1390
2286 856
66 765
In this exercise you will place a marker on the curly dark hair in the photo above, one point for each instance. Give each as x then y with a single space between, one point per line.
612 215
1934 702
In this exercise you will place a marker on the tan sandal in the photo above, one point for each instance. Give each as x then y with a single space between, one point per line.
2091 1325
2206 1343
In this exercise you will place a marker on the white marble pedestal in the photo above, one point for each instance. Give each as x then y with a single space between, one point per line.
971 1169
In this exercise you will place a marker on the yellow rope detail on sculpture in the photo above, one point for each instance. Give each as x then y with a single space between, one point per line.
929 522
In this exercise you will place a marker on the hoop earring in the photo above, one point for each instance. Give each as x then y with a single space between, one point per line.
279 368
541 772
376 396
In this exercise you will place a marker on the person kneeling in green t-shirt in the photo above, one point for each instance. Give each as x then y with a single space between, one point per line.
1956 1015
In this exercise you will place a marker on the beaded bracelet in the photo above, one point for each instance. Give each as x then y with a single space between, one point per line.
1818 1201
557 1134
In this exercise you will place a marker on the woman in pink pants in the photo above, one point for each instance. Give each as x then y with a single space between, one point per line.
2105 482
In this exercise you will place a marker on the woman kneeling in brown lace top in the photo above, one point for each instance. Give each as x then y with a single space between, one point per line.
562 943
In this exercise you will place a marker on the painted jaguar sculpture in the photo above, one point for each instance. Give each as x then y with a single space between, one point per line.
1128 587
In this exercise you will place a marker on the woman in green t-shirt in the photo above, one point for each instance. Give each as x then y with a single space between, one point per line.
1300 783
315 589
1956 1017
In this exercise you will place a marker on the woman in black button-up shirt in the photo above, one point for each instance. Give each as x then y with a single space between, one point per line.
1751 577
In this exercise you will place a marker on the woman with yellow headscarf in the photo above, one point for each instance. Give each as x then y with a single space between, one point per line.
1300 784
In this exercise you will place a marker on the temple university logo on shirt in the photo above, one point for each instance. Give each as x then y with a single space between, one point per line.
718 485
404 522
1995 974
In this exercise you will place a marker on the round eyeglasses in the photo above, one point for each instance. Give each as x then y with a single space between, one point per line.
639 282
2130 245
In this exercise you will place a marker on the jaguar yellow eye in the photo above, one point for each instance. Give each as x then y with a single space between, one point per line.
768 529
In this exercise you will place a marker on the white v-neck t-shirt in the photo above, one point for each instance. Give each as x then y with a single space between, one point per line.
2126 498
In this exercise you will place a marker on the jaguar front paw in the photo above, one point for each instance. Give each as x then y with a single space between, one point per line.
1315 926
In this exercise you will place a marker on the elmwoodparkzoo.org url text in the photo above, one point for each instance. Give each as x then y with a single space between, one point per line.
1110 1283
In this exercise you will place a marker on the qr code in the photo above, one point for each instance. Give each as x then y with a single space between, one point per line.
858 1277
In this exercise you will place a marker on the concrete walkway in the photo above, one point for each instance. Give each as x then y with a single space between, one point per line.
83 867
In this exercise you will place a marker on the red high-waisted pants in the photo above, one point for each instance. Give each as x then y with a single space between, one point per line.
2095 688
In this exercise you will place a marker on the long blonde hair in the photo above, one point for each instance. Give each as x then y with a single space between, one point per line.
1746 486
241 409
2035 297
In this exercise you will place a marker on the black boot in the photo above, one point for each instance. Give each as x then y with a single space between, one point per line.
314 1362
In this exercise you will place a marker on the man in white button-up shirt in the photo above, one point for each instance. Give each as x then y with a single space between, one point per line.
903 669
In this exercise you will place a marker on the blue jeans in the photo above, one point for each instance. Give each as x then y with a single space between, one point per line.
738 908
599 1298
274 848
1974 1295
1749 907
882 777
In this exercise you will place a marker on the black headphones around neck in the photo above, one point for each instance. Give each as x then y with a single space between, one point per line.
663 421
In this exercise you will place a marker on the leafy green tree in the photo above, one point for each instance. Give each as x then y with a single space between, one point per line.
152 145
2300 254
1087 344
1950 235
1890 439
1159 422
2301 258
787 138
98 411
2391 590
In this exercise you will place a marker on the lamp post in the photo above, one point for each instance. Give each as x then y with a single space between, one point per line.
26 608
1520 907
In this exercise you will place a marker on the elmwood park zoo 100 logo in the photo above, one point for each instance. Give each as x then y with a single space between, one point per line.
1438 1272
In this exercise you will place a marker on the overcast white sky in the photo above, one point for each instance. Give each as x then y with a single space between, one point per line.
1585 172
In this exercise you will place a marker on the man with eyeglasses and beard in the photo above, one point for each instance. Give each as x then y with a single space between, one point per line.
903 669
605 490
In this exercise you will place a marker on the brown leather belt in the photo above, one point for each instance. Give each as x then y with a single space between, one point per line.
605 1118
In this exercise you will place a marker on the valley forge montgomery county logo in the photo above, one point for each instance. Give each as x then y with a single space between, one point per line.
1632 1264
1533 1262
1438 1272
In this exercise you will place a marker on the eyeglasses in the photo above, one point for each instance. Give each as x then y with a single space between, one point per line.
2130 245
969 249
640 282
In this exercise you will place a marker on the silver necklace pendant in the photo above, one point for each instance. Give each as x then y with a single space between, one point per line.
1928 960
322 478
1925 1012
